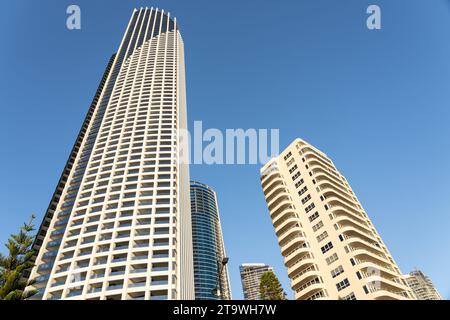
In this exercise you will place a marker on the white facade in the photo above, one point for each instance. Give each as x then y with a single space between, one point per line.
119 224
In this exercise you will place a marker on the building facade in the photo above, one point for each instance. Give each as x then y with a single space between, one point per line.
422 286
210 262
330 247
119 224
251 274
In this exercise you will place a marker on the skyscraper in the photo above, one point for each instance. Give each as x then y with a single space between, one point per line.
210 261
251 274
330 247
422 286
119 223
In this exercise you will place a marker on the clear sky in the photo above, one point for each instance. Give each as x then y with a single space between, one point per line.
377 102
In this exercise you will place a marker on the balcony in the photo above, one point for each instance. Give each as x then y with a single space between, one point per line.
301 263
295 240
293 231
295 253
304 276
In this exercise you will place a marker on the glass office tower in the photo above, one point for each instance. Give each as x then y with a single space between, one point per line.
119 223
210 261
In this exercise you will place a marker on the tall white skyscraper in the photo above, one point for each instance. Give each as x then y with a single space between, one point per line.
119 223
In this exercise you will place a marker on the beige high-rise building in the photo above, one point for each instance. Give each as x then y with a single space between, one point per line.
422 286
330 247
119 223
251 274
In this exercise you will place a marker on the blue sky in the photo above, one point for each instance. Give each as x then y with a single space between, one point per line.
377 102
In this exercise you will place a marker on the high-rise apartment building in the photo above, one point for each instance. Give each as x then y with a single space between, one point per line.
330 247
422 286
210 261
119 223
251 274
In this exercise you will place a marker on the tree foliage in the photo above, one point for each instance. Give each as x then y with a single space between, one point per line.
270 287
14 266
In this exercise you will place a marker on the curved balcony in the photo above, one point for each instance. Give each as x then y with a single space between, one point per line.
346 222
277 200
308 154
318 170
365 255
269 178
288 246
282 206
270 188
342 210
351 232
304 276
301 263
285 225
279 188
306 149
280 219
296 255
330 194
364 266
341 216
308 291
336 205
386 284
325 185
294 231
289 211
385 294
336 201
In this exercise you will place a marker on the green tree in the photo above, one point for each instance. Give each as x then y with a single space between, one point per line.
270 287
14 266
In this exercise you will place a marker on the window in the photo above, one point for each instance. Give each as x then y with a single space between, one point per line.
287 156
332 258
290 162
295 176
299 183
343 284
317 226
302 191
350 296
314 216
327 247
366 290
310 207
293 168
337 271
322 236
306 199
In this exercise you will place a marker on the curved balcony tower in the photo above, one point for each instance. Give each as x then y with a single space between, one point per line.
330 247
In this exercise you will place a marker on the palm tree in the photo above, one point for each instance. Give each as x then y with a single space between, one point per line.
13 268
270 287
